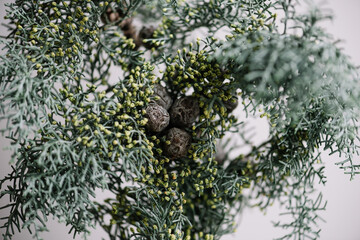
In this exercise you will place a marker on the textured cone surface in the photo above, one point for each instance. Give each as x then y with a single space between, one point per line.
165 100
180 142
158 117
184 111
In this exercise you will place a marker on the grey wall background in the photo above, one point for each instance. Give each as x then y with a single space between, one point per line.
343 209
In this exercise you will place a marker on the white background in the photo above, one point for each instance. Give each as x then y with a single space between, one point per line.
343 209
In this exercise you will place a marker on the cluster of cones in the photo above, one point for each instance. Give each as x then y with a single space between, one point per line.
173 118
129 30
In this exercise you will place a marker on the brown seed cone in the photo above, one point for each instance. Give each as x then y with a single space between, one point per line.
184 111
180 142
126 24
158 117
146 33
128 28
231 104
165 100
122 13
110 16
137 42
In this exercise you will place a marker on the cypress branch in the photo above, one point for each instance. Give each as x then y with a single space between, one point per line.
74 129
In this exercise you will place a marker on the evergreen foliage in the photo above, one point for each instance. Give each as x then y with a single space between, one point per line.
74 131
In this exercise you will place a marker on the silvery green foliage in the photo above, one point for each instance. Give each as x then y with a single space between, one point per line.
309 91
304 81
73 131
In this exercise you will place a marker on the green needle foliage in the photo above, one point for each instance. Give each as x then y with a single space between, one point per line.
73 129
